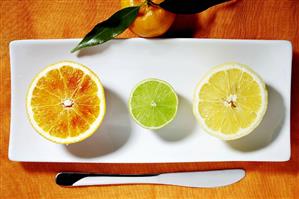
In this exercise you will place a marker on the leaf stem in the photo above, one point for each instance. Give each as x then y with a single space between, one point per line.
149 2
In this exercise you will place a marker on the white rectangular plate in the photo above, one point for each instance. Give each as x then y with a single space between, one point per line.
121 64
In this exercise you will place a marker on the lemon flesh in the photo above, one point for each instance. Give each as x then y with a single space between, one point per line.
230 101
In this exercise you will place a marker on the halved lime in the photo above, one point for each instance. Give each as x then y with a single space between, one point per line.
153 103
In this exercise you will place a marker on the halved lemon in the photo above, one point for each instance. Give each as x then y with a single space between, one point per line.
66 102
230 101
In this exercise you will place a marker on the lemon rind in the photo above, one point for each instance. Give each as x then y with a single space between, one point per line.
260 114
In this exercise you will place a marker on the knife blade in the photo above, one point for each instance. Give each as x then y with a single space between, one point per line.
204 179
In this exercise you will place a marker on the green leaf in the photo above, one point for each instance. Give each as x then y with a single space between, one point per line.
189 6
110 28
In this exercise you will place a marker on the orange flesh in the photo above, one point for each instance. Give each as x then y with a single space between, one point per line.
65 102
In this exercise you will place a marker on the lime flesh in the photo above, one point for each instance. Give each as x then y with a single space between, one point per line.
153 103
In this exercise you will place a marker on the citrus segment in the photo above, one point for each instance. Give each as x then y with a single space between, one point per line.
230 101
65 102
153 103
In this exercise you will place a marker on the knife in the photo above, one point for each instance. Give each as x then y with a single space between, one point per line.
205 179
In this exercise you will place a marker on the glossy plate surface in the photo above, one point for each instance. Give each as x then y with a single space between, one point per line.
121 64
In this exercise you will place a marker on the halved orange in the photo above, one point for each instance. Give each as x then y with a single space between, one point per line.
66 102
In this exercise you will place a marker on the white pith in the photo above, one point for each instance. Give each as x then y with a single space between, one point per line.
153 104
67 102
243 131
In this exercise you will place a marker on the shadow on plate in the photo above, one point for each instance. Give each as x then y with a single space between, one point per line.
269 128
183 124
111 135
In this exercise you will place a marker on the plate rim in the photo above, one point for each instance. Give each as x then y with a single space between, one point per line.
13 43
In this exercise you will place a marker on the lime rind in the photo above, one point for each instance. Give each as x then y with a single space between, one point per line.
159 114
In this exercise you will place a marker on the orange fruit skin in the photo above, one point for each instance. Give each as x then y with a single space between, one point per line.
66 102
152 21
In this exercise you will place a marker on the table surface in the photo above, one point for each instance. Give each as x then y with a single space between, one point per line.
241 19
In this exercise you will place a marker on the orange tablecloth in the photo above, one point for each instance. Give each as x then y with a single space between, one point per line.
244 19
